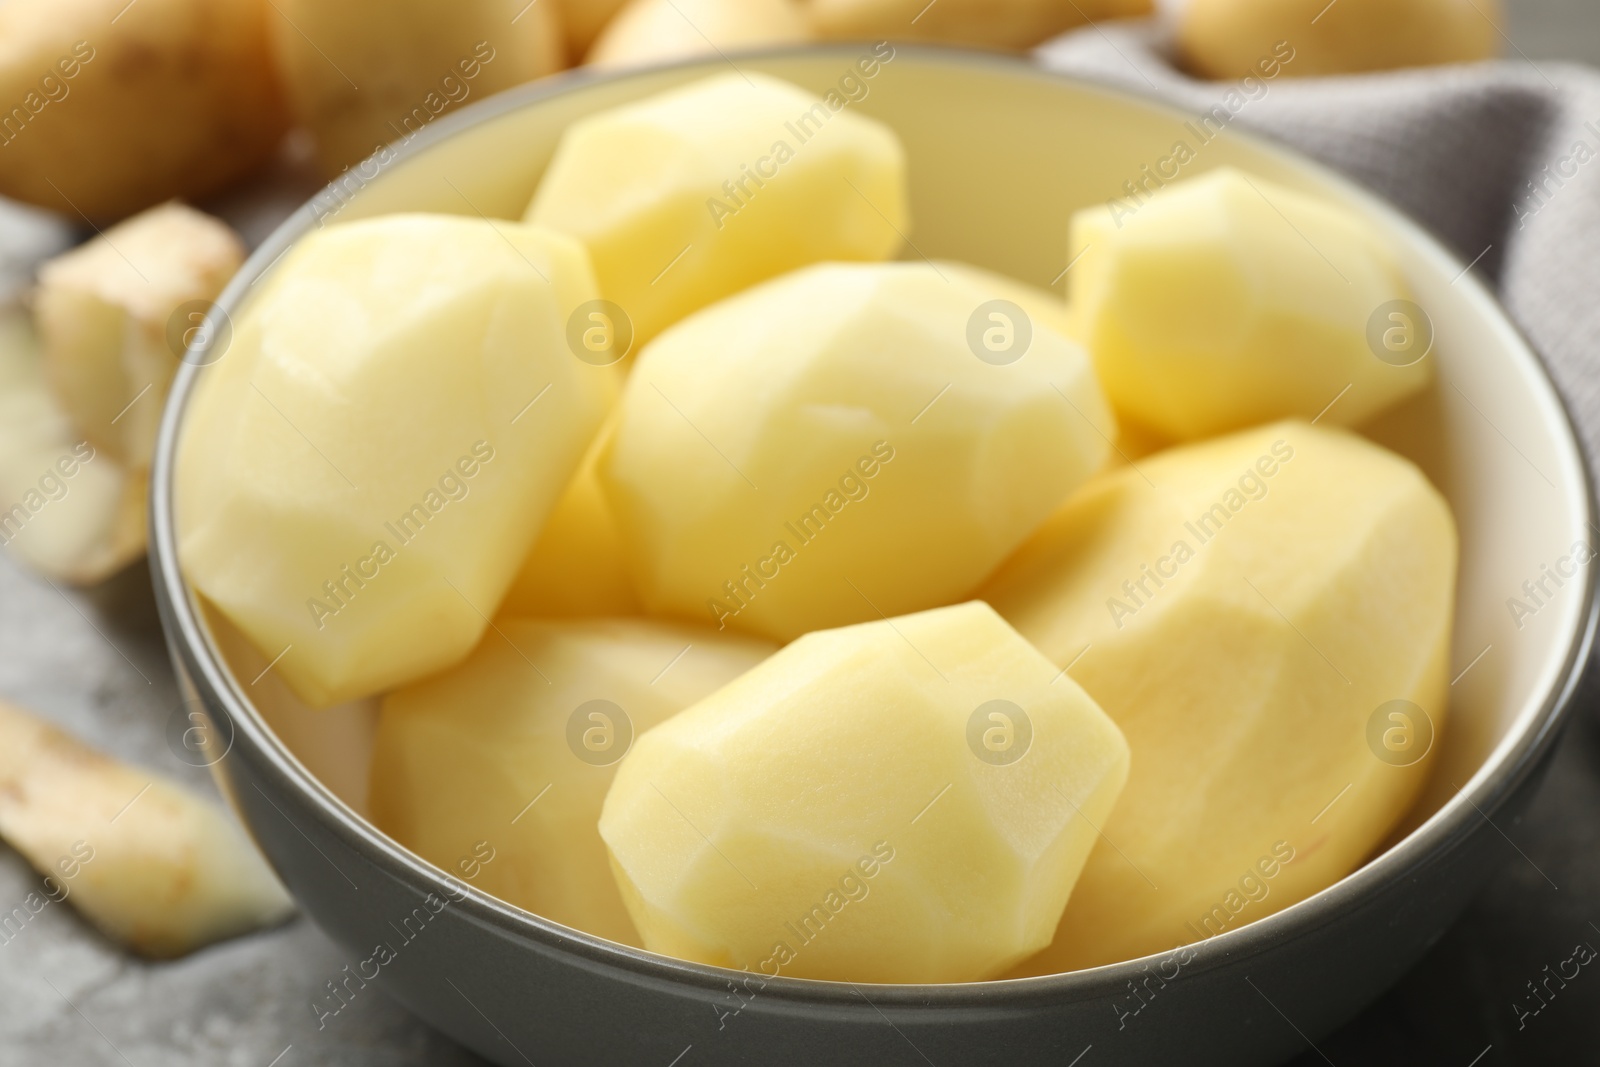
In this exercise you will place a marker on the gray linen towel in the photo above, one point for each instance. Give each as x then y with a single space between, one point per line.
1500 160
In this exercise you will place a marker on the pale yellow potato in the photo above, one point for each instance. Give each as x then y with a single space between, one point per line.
582 21
907 800
577 568
779 464
114 315
1245 616
691 195
1226 301
67 511
107 107
516 747
656 31
995 23
1040 305
361 74
1231 38
362 475
155 868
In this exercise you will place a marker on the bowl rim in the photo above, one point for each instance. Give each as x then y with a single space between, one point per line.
1516 757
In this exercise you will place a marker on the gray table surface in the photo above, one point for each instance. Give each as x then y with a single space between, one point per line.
95 662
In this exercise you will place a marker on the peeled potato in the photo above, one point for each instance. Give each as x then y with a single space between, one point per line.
364 472
582 21
1248 616
517 746
654 31
997 23
1227 300
780 464
66 511
692 195
577 568
1228 38
1040 305
111 107
908 800
151 865
106 313
361 75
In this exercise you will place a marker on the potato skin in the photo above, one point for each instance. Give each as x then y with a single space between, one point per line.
657 31
1226 38
582 21
991 23
106 109
362 74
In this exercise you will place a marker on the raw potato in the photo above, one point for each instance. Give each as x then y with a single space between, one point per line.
1228 38
1227 301
105 310
582 21
851 829
653 190
780 465
363 474
1040 305
66 511
489 753
107 108
577 568
996 23
1244 622
361 75
655 31
154 867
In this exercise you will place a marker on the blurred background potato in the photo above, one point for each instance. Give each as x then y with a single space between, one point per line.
995 23
107 108
1225 38
361 75
651 31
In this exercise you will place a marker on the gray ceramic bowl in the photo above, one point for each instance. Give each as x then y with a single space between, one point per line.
1000 153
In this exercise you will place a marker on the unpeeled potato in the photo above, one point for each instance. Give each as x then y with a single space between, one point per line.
108 107
361 75
583 20
654 31
1228 38
996 23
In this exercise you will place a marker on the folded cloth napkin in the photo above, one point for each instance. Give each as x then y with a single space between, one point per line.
1500 160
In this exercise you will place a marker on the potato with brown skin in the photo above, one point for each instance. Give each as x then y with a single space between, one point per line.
582 21
107 107
361 75
656 31
1227 38
995 23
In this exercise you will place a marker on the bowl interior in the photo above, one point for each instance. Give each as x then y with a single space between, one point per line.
1000 156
